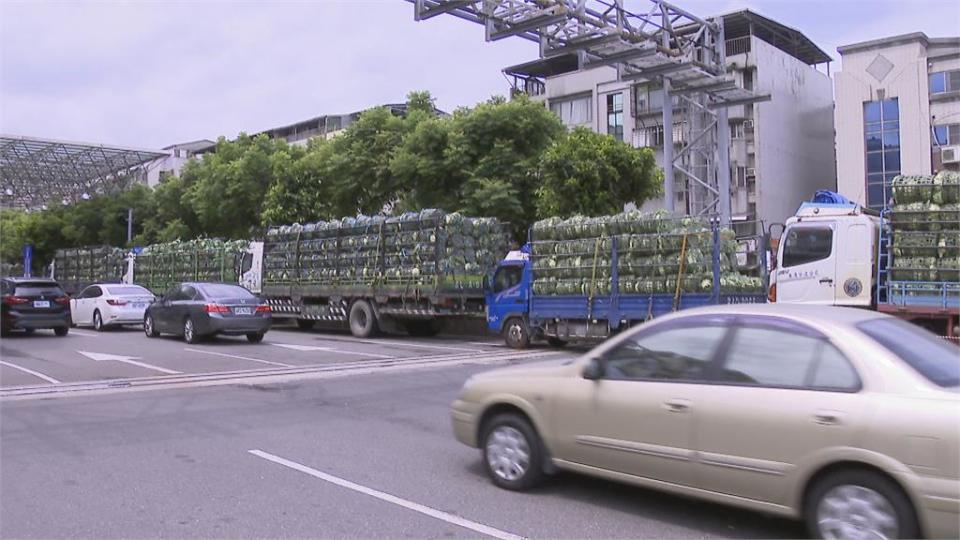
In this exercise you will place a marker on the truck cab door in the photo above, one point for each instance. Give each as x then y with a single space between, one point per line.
806 269
251 268
507 296
856 256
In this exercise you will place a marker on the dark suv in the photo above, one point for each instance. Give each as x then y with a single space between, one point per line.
32 303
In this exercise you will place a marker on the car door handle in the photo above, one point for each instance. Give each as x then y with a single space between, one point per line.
677 405
826 280
826 418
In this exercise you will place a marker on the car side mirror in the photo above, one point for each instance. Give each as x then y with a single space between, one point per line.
595 369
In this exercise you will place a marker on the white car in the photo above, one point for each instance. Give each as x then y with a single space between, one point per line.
110 304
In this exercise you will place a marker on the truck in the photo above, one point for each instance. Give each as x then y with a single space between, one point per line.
614 274
903 259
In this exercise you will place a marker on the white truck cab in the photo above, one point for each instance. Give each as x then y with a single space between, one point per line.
827 256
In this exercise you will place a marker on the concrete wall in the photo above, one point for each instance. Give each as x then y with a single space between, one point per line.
908 81
793 132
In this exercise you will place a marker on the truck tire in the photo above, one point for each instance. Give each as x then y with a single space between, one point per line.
363 322
305 324
516 334
427 328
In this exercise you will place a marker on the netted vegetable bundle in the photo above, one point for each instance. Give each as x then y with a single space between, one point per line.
77 267
160 266
574 256
925 219
416 250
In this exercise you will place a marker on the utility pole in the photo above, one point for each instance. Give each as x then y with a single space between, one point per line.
129 225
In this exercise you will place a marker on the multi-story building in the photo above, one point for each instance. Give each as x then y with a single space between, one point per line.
177 157
781 149
897 112
328 125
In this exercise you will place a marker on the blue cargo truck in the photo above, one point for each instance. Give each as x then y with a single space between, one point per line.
634 273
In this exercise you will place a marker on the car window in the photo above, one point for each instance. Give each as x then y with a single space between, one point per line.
507 277
127 290
929 355
673 354
223 291
173 294
37 288
806 245
786 358
94 292
188 292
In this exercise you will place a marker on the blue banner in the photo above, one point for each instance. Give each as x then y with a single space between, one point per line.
27 260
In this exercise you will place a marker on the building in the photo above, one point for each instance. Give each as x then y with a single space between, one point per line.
178 155
328 126
898 112
781 149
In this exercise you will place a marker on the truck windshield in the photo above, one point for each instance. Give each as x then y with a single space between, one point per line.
507 277
929 355
806 245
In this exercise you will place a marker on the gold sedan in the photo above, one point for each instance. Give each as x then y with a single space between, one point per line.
845 418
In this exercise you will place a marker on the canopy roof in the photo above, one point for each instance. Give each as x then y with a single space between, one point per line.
37 172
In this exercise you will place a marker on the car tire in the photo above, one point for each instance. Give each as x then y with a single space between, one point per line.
512 452
190 334
255 337
149 327
98 321
859 500
557 342
363 322
305 324
61 331
516 334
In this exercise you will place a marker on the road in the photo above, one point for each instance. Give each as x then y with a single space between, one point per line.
353 453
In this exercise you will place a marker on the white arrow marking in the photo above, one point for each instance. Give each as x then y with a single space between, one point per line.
132 360
311 348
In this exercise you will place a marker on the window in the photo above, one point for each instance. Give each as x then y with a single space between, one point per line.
615 115
675 354
37 288
94 292
881 121
786 355
507 277
127 290
945 81
946 134
806 245
738 130
573 112
651 137
221 292
931 356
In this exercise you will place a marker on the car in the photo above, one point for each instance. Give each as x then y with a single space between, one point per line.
103 305
31 304
201 310
848 419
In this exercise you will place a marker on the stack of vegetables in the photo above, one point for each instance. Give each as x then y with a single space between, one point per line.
926 228
427 249
76 268
160 266
11 269
573 256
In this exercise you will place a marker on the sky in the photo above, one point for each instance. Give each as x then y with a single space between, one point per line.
150 74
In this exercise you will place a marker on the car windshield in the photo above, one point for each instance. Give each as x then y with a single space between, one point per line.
931 356
36 288
217 291
128 290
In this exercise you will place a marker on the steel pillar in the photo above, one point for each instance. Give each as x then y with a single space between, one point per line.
669 187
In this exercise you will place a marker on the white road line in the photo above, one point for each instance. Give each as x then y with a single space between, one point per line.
311 348
240 357
30 371
408 344
81 333
410 505
487 343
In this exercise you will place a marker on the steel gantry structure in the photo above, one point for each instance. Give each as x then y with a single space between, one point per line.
38 172
663 44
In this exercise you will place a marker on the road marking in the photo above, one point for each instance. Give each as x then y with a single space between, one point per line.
81 333
30 371
132 360
305 348
408 344
268 362
487 343
410 505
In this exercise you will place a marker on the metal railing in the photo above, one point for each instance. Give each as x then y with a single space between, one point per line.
738 45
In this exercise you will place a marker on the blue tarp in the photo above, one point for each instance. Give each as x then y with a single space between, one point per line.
830 197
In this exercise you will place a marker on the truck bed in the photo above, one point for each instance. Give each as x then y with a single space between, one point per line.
627 307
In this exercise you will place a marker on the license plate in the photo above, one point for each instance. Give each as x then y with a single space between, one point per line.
139 306
243 311
41 303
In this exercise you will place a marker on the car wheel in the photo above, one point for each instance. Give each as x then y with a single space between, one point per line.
190 332
363 323
149 328
859 504
255 337
512 452
516 334
98 321
61 331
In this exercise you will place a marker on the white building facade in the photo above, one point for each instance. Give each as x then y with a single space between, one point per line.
172 164
897 112
781 150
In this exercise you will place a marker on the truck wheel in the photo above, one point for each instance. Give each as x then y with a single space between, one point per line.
305 324
423 328
516 334
363 323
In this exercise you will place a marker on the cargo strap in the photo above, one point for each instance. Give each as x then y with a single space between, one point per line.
683 260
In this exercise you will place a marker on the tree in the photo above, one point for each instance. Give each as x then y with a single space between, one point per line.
592 174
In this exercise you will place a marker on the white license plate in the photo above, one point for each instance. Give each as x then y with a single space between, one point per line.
139 306
243 311
41 303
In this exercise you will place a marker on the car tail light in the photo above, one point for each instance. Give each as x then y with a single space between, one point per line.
264 308
216 308
62 300
115 302
772 294
12 300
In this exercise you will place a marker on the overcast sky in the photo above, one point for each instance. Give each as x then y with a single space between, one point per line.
150 74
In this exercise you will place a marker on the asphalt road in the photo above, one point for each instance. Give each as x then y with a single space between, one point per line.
367 456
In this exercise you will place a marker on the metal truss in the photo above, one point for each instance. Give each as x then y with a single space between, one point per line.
661 43
37 172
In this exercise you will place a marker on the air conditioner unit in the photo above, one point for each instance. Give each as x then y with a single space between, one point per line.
950 154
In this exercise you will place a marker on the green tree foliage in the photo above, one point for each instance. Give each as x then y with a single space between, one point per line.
591 174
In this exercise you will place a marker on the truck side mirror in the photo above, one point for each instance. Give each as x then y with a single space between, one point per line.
595 369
